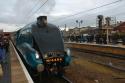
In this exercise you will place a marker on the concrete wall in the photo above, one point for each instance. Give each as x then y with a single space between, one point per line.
98 48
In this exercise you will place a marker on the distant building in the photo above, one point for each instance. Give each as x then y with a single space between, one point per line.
1 30
80 31
120 27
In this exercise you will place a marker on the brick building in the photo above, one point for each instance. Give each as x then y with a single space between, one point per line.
120 27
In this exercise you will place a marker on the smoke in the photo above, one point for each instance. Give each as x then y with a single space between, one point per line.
20 11
26 10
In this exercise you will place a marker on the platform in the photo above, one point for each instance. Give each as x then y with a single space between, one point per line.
110 45
19 72
99 48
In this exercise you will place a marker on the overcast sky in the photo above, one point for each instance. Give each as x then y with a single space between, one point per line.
16 12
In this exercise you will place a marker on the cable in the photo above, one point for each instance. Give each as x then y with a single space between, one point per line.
30 10
33 7
89 10
37 10
40 7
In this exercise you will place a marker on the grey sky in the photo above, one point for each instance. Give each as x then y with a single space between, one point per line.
22 11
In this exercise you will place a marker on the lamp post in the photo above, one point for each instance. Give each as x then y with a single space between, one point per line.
65 27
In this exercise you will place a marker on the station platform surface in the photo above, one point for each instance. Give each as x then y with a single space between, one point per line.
17 73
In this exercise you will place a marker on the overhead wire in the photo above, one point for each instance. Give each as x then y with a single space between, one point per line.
38 9
30 11
89 10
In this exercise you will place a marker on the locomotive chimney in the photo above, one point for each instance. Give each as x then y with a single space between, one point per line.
42 20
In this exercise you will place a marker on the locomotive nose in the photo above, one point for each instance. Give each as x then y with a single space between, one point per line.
40 67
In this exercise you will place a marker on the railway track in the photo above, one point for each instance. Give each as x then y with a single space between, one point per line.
66 79
105 60
100 53
109 65
52 79
91 67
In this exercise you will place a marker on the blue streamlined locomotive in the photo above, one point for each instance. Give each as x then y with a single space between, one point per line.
42 47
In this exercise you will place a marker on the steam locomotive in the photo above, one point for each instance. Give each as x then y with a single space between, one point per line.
41 45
